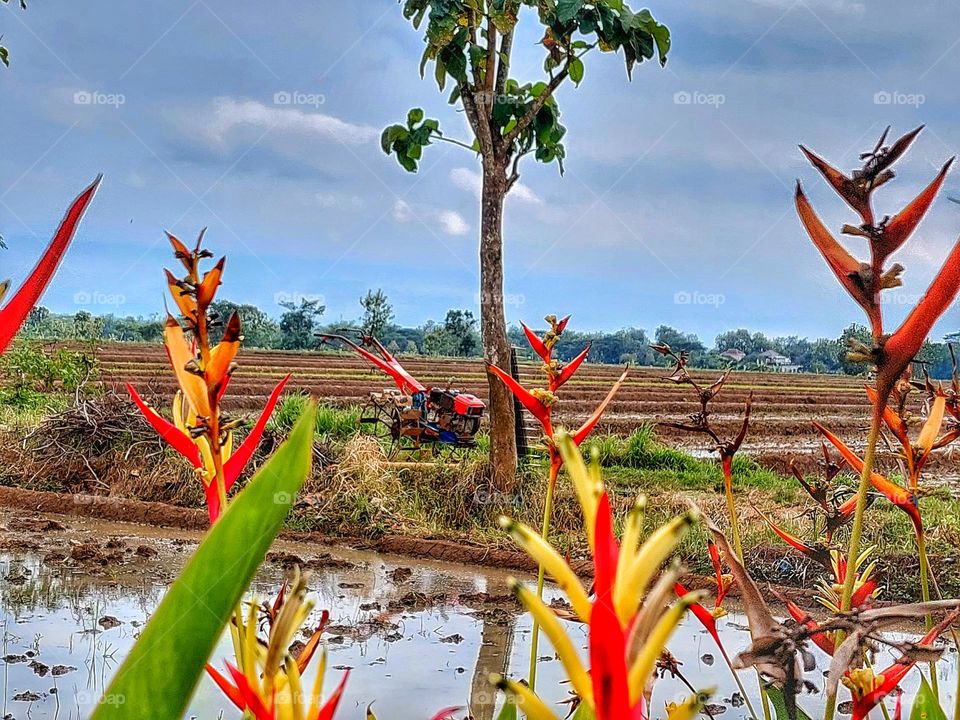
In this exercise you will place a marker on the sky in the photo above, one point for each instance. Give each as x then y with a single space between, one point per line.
261 121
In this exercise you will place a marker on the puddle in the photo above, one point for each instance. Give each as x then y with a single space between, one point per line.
419 636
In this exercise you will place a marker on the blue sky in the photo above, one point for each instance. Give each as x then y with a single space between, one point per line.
670 212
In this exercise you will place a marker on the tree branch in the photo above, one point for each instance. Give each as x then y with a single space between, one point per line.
481 128
552 86
462 144
503 70
490 71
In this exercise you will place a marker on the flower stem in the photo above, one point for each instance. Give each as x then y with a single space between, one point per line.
856 532
925 592
555 463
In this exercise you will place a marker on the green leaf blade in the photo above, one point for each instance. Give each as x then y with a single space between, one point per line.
158 678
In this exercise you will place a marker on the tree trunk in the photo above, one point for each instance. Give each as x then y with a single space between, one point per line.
496 347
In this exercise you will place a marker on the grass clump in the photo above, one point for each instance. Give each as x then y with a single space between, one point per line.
333 423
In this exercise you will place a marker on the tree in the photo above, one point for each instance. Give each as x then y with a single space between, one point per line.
299 323
470 42
259 329
377 313
678 341
456 337
4 55
853 337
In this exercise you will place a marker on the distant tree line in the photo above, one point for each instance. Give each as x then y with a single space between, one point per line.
457 336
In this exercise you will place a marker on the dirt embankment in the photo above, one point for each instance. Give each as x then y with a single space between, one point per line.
162 515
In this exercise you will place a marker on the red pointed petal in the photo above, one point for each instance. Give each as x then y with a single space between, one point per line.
562 325
540 411
842 263
570 368
232 693
15 312
592 421
819 639
254 703
706 619
606 550
177 439
212 496
330 707
817 554
608 665
714 552
446 713
536 343
902 498
844 186
902 225
239 459
904 344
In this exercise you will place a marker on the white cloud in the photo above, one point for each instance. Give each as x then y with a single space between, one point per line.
331 200
472 182
449 221
229 113
452 222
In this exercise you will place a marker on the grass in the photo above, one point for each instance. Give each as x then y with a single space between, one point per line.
356 492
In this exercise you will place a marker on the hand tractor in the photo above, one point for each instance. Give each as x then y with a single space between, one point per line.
412 415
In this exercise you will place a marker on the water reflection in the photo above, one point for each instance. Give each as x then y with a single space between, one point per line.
418 636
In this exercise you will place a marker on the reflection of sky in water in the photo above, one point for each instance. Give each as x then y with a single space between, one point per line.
406 669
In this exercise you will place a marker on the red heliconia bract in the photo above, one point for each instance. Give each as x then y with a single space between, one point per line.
15 312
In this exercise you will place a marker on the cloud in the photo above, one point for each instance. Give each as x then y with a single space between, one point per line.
332 200
472 182
230 114
449 221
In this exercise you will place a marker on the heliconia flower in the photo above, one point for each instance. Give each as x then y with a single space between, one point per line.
869 688
723 581
539 347
628 625
818 553
899 496
530 401
856 190
903 345
14 313
569 369
899 228
821 640
197 449
864 587
268 683
845 267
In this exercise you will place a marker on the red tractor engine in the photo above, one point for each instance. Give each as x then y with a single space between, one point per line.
456 412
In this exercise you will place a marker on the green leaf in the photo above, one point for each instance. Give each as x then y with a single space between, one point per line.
576 70
160 674
583 712
508 711
780 704
4 56
567 9
390 135
926 706
414 116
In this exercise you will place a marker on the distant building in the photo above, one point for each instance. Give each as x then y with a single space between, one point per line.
733 355
778 362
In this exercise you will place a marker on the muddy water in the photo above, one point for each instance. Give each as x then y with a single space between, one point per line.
417 636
